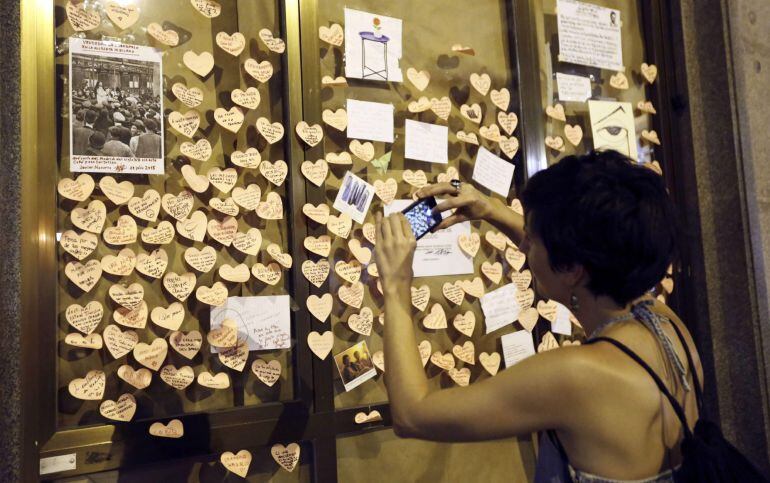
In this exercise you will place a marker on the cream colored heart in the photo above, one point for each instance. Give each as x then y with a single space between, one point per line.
463 49
249 242
321 245
273 43
419 78
386 190
441 107
178 206
190 96
453 292
177 378
315 172
151 355
481 83
249 98
124 232
134 318
420 105
436 318
286 456
88 388
200 151
651 136
509 146
333 35
556 112
231 120
424 348
121 264
469 138
185 124
261 71
284 259
548 310
363 151
91 218
491 132
496 239
174 428
235 357
274 172
378 359
321 306
471 112
197 182
222 179
207 8
85 318
450 174
147 207
170 318
337 119
465 352
193 228
339 81
237 463
180 286
574 134
201 260
420 297
501 98
123 16
647 107
369 232
352 295
508 121
619 81
78 189
465 323
90 341
348 271
461 377
650 72
320 344
525 298
363 418
80 19
473 287
226 335
247 198
139 378
223 231
444 361
85 276
418 178
522 280
269 274
362 254
216 295
319 214
79 246
515 258
118 342
316 272
272 132
340 225
167 37
493 271
121 410
219 381
490 362
130 296
548 342
232 44
555 142
226 206
362 322
342 158
201 63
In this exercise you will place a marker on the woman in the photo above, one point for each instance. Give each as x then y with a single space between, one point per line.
598 233
102 95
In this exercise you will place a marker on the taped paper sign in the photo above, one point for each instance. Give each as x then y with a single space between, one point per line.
589 35
265 321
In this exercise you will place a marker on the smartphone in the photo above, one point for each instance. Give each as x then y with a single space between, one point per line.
421 217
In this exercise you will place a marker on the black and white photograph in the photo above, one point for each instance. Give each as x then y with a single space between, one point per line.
116 108
355 365
354 197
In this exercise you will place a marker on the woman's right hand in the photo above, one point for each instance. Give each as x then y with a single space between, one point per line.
468 203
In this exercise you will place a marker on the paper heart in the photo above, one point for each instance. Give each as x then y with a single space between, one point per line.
342 158
650 72
501 98
85 276
85 318
647 107
619 81
491 132
133 318
224 336
118 342
362 254
272 132
201 260
226 206
247 198
386 190
473 287
371 269
139 378
363 151
249 98
508 121
78 189
316 273
490 362
177 378
548 342
80 19
232 44
79 246
151 355
370 233
261 71
461 377
436 318
121 410
180 286
465 352
273 43
441 107
481 83
190 96
312 135
420 79
574 134
216 295
418 179
223 231
185 124
469 138
193 228
450 174
548 309
315 172
363 418
237 463
328 80
463 49
555 142
651 136
167 37
249 242
147 207
222 179
170 318
201 63
496 239
420 105
269 274
178 206
471 112
378 359
319 245
352 295
91 218
509 146
219 381
465 323
444 361
200 151
515 258
284 259
420 297
88 388
231 120
286 456
174 428
123 16
91 341
319 214
522 280
274 172
123 233
667 284
121 264
493 271
340 225
129 297
556 112
424 348
362 322
333 35
525 298
207 8
453 292
321 306
348 271
337 119
320 344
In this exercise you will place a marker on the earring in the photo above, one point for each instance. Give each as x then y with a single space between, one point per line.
574 305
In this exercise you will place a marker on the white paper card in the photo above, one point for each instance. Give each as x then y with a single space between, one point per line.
517 347
438 253
426 142
574 88
354 197
589 35
373 46
613 127
56 464
500 307
562 324
370 120
265 321
493 172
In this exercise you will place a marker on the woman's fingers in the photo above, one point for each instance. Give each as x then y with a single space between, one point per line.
406 228
449 204
449 221
385 231
395 226
436 190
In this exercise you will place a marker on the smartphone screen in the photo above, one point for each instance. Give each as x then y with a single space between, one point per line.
420 217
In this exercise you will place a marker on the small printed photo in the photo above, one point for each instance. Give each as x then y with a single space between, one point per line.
354 197
355 366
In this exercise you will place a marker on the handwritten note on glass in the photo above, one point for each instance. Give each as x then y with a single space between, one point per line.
500 307
263 320
426 142
573 87
517 346
493 172
370 120
589 35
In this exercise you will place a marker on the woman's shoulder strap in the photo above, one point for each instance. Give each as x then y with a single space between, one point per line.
698 387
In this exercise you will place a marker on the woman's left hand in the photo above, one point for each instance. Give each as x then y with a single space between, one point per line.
394 251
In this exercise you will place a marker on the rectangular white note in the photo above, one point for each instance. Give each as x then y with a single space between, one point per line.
264 320
426 142
500 307
370 120
562 324
517 347
493 172
574 88
589 35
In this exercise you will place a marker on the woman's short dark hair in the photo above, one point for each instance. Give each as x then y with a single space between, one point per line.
610 215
